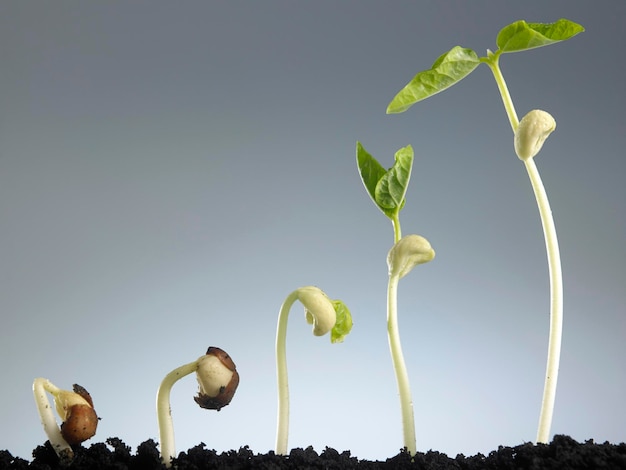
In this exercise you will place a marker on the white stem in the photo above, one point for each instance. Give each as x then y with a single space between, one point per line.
164 411
50 426
402 377
556 303
320 311
282 428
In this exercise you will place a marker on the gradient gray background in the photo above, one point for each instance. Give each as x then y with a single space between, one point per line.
169 172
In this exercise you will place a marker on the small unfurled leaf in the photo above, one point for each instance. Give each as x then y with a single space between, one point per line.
370 170
343 325
391 188
520 36
387 188
448 69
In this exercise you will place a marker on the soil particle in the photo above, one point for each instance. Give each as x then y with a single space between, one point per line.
562 453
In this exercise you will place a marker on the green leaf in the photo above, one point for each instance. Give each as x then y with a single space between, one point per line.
521 36
448 69
391 188
343 325
370 170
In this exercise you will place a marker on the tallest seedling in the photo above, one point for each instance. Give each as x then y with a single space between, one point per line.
529 135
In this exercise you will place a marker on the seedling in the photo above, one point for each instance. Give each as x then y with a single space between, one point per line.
217 380
529 135
75 408
326 316
387 188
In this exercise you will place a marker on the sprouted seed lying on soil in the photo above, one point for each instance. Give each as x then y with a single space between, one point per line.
75 408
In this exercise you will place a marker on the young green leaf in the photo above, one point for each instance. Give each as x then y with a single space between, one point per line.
448 69
391 188
387 188
370 170
520 36
343 325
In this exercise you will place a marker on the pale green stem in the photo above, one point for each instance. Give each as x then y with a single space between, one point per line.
554 266
282 429
50 426
402 377
164 412
397 230
397 358
556 304
492 62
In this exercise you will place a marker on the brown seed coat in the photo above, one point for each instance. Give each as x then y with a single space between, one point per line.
226 393
80 424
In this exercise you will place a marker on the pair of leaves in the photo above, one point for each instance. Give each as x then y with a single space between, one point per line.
459 62
387 188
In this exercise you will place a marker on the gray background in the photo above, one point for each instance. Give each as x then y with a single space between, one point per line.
170 171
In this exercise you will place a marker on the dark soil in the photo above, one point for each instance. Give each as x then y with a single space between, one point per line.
562 453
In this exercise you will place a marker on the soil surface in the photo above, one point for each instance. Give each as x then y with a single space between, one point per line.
562 453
